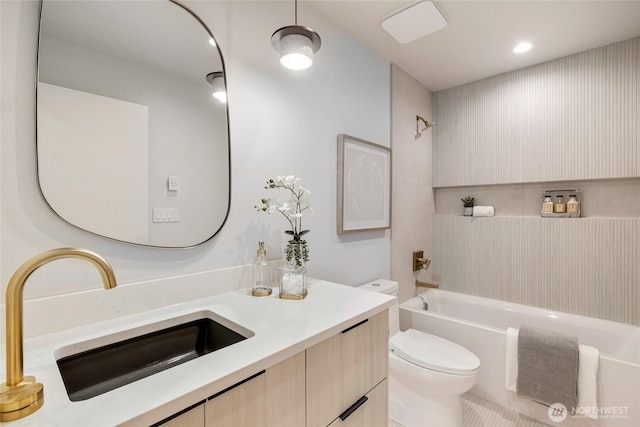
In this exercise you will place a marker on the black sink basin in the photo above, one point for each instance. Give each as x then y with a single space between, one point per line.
98 370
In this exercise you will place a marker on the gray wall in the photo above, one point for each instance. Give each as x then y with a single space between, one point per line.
412 194
574 118
587 266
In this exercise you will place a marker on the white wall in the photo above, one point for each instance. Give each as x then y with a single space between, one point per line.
281 123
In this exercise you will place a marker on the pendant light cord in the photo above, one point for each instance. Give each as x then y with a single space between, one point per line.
296 12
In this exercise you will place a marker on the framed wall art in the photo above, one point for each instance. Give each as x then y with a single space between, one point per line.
364 185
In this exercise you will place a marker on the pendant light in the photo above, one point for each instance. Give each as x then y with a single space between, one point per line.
216 80
296 44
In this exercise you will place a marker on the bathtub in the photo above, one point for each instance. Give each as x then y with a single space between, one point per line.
480 324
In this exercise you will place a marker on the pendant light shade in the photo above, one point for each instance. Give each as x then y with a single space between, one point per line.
296 45
216 80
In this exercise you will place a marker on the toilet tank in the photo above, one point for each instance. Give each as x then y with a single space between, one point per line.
389 287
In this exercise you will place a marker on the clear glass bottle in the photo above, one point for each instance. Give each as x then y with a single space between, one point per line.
573 206
547 204
261 275
560 206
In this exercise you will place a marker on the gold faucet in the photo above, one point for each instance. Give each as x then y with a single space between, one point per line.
20 395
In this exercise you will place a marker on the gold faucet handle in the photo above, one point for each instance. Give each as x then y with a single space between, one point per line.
419 261
423 263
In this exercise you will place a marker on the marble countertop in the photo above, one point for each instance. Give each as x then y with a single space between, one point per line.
282 328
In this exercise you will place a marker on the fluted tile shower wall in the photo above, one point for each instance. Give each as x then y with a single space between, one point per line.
587 266
574 118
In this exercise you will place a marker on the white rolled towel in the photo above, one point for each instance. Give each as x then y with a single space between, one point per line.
511 374
588 361
483 211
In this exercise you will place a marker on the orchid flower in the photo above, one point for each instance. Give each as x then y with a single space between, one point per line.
292 209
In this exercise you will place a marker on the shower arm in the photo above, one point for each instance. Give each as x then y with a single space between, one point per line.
426 122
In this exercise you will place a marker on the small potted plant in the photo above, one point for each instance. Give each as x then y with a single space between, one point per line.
468 202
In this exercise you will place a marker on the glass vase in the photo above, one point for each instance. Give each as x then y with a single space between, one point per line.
292 274
292 282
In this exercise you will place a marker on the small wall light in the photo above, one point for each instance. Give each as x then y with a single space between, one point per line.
216 80
296 44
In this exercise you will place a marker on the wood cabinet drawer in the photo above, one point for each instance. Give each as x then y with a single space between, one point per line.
373 411
345 367
192 417
240 405
272 398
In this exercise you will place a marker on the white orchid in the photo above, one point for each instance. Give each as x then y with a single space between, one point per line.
292 210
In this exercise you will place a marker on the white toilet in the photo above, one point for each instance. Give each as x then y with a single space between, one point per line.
427 374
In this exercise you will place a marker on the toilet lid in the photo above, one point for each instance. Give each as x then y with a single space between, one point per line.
435 353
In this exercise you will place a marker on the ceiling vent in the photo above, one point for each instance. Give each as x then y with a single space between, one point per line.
414 22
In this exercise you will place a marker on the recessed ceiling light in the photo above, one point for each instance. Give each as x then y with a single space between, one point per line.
522 47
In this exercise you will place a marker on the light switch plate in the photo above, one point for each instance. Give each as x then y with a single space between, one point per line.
172 182
166 215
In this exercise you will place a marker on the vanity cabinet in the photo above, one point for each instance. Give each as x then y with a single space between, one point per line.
344 370
341 381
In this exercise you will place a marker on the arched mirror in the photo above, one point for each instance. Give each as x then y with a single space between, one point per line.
131 144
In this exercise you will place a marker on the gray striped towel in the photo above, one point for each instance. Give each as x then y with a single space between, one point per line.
547 367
